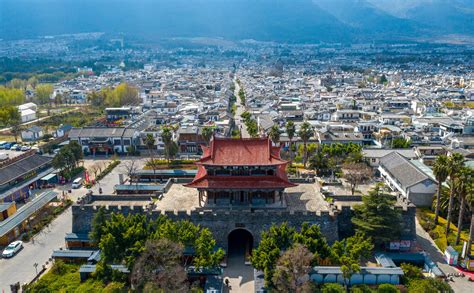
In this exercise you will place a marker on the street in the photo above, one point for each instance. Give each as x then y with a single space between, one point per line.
240 109
20 268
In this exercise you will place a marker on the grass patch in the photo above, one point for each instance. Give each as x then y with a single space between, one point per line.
173 164
65 278
426 218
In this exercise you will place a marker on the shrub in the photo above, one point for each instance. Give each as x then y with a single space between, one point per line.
429 285
410 273
361 288
387 288
332 288
59 268
115 287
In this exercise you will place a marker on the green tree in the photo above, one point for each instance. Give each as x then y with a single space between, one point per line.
410 273
332 288
11 96
98 225
150 144
387 288
470 200
290 131
465 189
205 255
400 143
349 252
252 127
43 94
429 285
17 84
207 133
440 170
280 238
455 163
305 133
167 138
274 134
318 162
377 217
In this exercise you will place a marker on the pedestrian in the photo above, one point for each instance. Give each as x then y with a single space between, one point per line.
226 281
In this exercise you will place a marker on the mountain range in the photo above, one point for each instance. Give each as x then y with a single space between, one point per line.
293 21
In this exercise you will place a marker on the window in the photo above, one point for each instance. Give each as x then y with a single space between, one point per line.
126 142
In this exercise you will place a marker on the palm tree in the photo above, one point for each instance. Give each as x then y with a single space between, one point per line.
290 131
455 163
305 133
465 187
274 134
440 170
150 143
207 132
167 137
470 200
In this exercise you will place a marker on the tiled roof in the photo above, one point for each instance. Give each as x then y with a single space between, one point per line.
402 170
240 152
23 166
240 182
101 132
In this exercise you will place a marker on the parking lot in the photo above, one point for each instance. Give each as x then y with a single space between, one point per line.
11 154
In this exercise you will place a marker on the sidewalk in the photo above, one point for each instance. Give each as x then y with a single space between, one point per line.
459 285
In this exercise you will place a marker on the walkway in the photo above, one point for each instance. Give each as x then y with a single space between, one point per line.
459 285
240 275
240 109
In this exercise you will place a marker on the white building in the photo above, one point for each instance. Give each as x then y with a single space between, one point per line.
28 112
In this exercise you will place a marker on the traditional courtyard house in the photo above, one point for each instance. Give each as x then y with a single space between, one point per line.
189 140
103 140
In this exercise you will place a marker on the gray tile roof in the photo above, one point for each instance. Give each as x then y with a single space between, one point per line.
101 132
379 153
402 170
21 167
26 211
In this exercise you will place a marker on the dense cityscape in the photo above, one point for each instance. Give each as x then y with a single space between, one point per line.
214 165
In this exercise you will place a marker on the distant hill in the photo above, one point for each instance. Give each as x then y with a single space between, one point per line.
294 21
441 16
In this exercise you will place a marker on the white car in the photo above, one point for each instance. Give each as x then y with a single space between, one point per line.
12 249
25 148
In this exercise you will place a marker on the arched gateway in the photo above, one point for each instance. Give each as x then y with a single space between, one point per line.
240 245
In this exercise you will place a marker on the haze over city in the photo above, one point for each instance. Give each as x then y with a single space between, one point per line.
237 146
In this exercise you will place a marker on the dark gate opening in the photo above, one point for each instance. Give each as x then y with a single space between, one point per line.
240 244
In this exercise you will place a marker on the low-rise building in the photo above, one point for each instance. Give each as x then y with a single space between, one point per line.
404 177
104 140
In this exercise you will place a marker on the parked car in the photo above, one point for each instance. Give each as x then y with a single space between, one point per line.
2 144
18 147
13 147
7 146
25 148
12 249
3 157
77 183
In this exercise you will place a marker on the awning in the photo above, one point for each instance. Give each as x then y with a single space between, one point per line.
49 177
